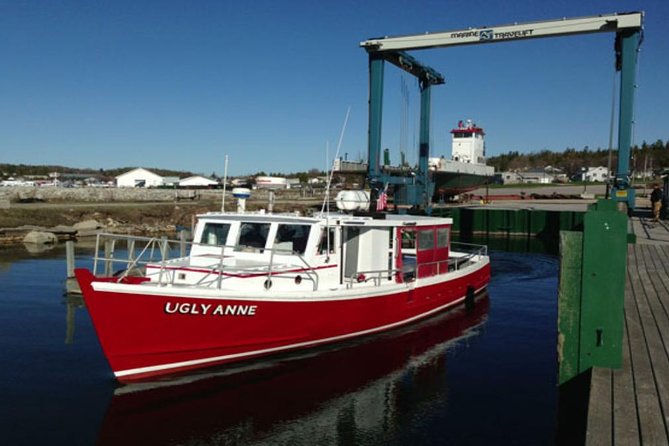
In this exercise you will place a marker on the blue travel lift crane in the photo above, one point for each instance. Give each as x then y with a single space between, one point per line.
416 188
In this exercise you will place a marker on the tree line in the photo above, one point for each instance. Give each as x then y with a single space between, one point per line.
23 170
27 170
645 158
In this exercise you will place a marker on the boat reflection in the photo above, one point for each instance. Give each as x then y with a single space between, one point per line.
329 395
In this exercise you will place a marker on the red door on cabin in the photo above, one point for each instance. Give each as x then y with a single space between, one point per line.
441 251
425 253
432 250
405 262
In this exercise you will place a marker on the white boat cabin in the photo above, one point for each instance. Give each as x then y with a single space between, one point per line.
287 252
280 252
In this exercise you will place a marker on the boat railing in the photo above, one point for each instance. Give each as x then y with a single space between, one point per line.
163 253
376 277
466 255
469 248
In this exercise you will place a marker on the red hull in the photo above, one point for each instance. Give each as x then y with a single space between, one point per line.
146 335
249 397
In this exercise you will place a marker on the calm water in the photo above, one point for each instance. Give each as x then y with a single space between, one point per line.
486 375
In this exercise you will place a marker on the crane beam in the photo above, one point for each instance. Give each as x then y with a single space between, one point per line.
505 33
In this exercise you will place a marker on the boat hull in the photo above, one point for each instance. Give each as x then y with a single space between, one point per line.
448 184
148 334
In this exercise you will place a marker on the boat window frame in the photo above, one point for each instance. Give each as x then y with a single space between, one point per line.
296 248
252 247
441 230
322 248
220 241
425 239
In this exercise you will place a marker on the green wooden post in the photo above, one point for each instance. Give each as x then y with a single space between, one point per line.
591 294
569 304
603 288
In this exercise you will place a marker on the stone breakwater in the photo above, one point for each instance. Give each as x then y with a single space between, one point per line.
94 194
49 235
24 194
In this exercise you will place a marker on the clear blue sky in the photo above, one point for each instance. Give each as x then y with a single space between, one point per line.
180 84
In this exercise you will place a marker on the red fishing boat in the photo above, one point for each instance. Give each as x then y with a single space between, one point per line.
255 284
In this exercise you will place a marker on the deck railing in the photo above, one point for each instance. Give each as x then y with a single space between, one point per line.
467 254
161 251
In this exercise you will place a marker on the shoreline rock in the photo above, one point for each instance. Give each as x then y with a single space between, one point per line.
40 238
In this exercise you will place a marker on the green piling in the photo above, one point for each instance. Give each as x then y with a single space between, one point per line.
591 292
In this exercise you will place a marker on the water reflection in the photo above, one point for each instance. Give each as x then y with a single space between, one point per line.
72 302
358 393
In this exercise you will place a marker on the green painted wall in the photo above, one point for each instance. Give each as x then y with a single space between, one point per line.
517 222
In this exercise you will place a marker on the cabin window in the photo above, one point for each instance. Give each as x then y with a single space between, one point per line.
442 237
215 233
408 239
291 239
327 243
252 236
407 262
426 239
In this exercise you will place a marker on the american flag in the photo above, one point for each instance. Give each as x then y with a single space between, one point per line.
382 201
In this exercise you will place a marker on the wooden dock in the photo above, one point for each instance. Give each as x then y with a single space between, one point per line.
630 405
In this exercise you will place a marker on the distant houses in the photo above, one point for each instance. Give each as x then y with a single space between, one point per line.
598 174
141 177
551 175
530 176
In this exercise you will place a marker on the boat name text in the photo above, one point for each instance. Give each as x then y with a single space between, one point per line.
214 310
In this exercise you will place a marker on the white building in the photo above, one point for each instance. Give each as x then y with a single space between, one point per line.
197 181
271 183
600 174
170 181
293 183
139 178
536 176
509 177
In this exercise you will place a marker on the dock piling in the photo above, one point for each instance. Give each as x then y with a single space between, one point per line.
71 284
109 254
591 292
182 243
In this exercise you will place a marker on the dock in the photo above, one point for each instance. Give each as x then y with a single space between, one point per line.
630 405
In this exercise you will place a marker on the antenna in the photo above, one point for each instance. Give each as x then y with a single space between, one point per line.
326 200
225 180
341 137
326 203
